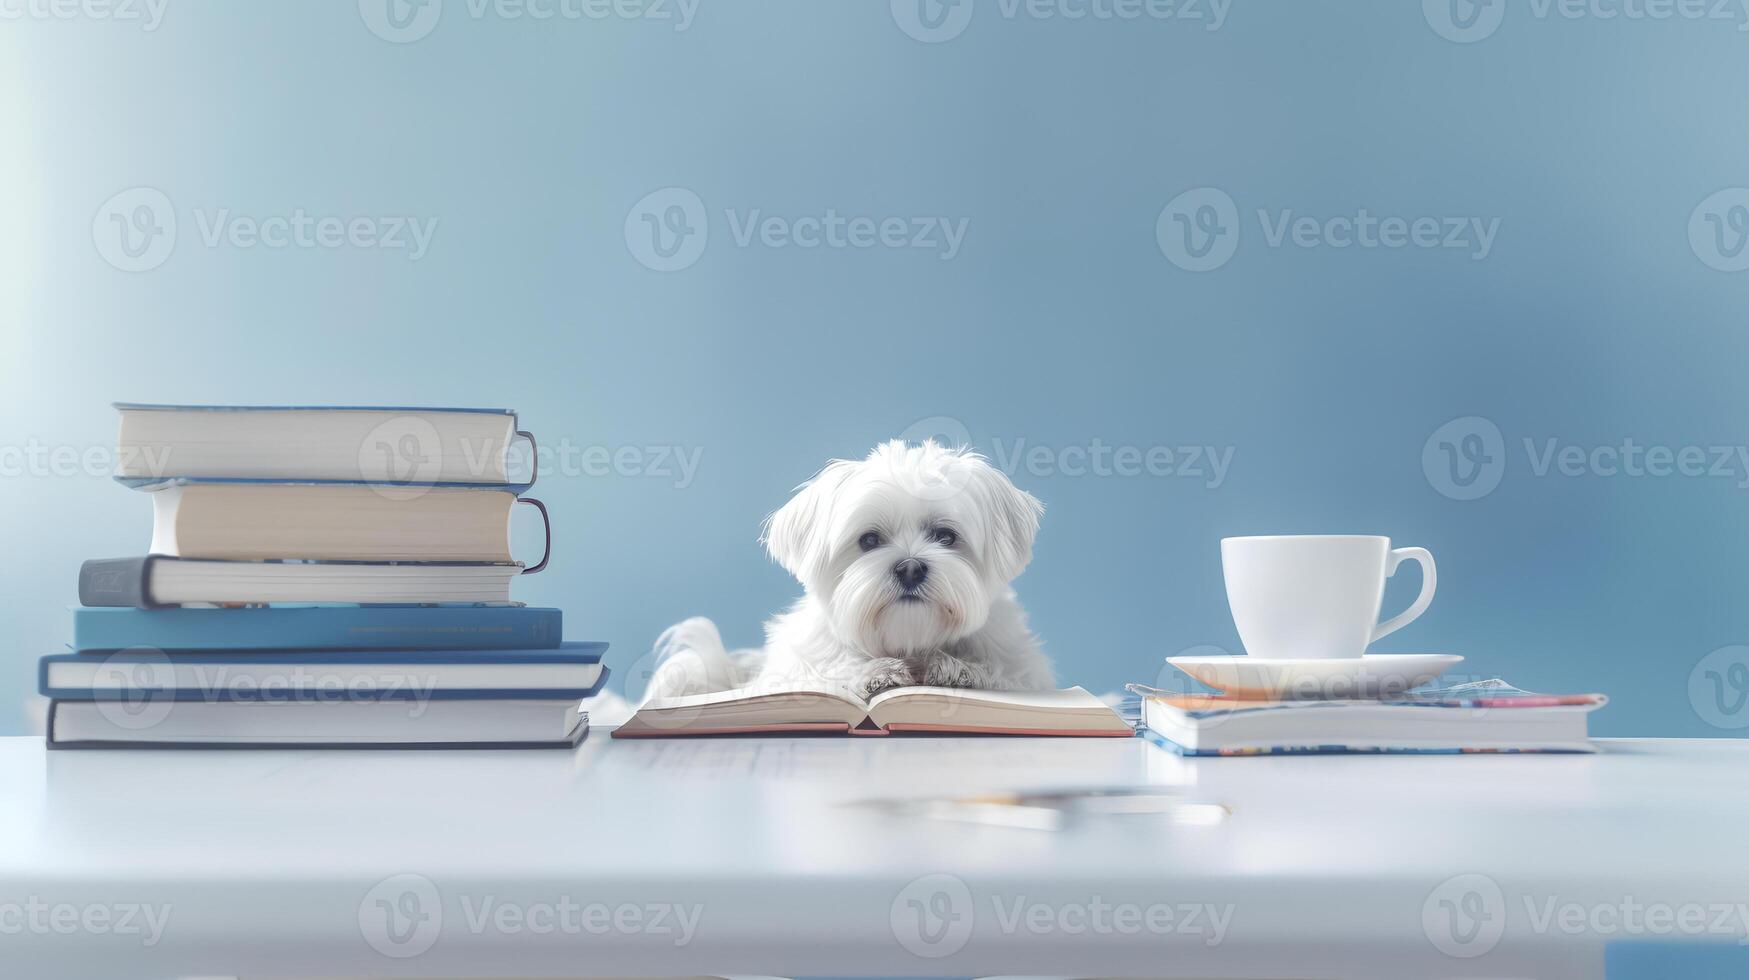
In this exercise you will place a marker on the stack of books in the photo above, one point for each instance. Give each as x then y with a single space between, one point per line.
333 577
1483 716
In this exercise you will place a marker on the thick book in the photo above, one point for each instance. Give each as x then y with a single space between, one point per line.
151 581
947 710
1488 716
319 628
399 445
572 670
251 521
312 724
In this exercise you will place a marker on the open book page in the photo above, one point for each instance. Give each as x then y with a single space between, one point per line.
766 707
949 709
809 708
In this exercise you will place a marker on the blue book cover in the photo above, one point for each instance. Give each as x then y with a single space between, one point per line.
572 670
319 628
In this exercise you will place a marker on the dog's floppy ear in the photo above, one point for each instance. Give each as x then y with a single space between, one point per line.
1013 516
798 535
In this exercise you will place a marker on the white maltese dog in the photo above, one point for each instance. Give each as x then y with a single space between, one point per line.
905 559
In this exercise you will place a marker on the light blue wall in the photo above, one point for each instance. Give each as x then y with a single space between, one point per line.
1061 320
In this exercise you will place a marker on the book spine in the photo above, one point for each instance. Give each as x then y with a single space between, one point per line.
320 628
116 582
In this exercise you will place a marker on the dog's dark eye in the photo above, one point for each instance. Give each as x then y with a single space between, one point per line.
945 537
869 541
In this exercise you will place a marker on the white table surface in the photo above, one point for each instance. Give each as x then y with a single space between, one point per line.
272 863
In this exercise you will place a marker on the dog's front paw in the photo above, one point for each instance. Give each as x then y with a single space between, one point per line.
947 670
881 674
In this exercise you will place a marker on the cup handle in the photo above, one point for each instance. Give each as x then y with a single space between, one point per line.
1429 578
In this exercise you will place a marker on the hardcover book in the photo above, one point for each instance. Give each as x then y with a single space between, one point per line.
417 445
1488 716
310 724
150 581
244 520
319 628
571 670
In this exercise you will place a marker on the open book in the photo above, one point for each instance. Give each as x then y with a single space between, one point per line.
801 708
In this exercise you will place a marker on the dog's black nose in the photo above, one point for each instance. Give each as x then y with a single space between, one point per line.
911 573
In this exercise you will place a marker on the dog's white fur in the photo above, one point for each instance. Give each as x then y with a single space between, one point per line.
843 536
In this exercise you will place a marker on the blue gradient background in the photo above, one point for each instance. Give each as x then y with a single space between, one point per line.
1060 321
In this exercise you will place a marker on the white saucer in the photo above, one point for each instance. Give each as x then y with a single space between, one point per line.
1371 676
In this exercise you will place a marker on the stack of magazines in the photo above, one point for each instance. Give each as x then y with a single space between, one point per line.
319 577
1483 716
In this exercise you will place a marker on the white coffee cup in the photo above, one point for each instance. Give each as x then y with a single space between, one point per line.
1316 596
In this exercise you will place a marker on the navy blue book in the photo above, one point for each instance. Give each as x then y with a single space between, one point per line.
573 671
319 628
